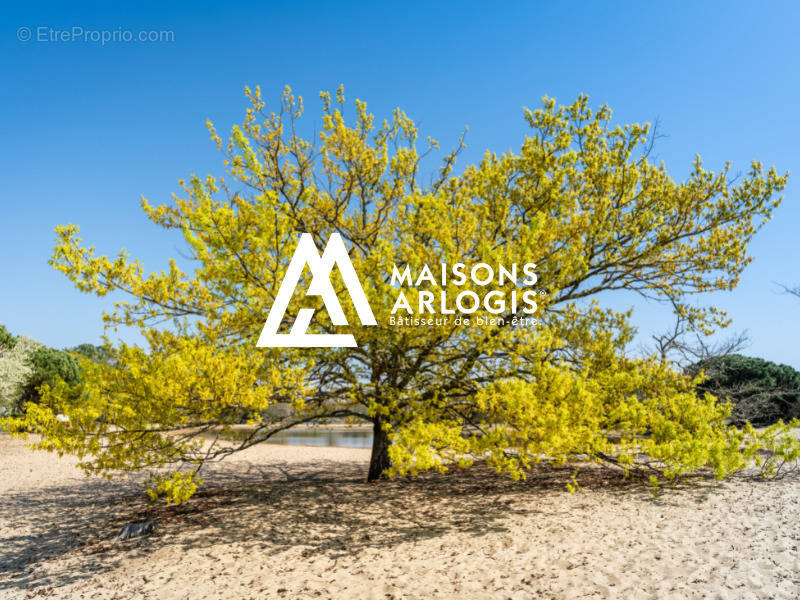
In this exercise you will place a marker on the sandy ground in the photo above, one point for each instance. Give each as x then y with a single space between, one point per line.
298 522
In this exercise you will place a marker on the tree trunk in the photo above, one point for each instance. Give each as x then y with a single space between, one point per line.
379 461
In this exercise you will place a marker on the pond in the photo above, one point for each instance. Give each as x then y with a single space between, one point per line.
320 436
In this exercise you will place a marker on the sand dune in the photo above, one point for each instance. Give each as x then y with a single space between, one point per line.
298 522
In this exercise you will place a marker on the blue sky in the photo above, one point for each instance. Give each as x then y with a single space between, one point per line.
90 127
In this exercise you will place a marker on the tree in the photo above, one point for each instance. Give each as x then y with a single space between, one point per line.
761 391
93 353
682 346
581 199
48 367
795 291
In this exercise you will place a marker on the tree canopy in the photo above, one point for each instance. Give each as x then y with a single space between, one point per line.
581 200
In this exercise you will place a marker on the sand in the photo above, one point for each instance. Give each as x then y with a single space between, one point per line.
299 522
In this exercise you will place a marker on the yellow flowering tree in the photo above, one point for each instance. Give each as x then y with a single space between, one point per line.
580 199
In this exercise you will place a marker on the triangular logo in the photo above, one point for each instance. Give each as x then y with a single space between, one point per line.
335 253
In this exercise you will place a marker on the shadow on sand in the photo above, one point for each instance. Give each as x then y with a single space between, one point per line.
273 508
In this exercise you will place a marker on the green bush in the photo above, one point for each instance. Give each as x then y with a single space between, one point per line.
762 392
48 364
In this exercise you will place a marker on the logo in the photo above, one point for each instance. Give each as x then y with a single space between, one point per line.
335 253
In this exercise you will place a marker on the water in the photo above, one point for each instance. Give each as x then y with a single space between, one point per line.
319 436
